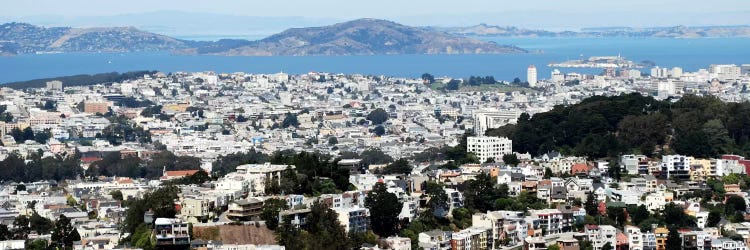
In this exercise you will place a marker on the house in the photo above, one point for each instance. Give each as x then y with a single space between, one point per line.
355 219
568 244
171 233
245 210
472 238
435 240
634 237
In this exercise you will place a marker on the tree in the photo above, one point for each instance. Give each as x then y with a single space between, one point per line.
674 242
379 130
555 247
438 198
384 209
714 217
400 166
674 215
375 156
511 159
28 134
5 233
590 205
378 116
480 194
64 233
547 173
734 204
639 214
116 194
271 209
453 85
43 136
332 140
427 78
290 120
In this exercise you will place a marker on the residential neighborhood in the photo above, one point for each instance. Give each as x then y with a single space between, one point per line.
230 161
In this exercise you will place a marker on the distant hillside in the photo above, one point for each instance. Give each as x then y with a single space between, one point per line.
664 32
360 37
80 80
22 38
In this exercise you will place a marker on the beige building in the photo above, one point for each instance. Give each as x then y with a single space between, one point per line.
95 107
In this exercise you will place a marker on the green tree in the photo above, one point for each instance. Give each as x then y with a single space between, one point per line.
142 237
480 194
290 120
271 209
554 247
639 214
674 242
438 198
547 173
38 244
591 206
428 78
511 159
714 217
64 234
332 140
675 216
400 166
453 84
378 116
379 130
734 204
5 233
375 156
384 210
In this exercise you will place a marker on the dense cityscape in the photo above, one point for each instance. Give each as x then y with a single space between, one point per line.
626 159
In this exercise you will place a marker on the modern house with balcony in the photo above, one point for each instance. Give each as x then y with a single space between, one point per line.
171 233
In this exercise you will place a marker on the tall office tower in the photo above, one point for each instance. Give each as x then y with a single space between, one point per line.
531 75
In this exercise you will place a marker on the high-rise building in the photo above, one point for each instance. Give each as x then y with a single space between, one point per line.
55 85
676 72
666 89
725 72
745 69
557 76
531 75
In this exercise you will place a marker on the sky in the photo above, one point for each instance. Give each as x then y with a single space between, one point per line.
540 14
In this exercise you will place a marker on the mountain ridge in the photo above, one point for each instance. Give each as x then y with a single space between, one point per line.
483 30
356 37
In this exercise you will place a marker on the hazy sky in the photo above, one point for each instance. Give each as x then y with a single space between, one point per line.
548 14
358 8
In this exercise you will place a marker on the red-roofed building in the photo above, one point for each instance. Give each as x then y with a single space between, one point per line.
580 168
176 174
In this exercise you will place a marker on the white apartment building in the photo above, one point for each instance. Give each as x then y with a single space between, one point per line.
677 166
724 72
487 147
484 120
600 235
635 237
